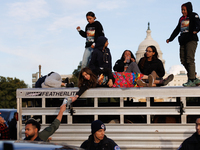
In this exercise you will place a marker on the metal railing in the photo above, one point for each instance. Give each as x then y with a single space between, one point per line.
146 135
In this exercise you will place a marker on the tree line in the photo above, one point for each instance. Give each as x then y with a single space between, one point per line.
8 87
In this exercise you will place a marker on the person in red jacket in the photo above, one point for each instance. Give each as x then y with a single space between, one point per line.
4 131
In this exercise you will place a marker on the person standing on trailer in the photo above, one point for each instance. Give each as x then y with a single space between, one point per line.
92 31
188 26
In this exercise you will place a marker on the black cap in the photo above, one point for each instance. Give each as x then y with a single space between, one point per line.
96 125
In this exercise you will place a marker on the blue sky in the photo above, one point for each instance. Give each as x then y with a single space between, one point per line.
43 32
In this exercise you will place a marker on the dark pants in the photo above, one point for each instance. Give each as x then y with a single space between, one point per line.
187 55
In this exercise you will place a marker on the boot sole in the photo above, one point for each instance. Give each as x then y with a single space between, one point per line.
169 79
150 78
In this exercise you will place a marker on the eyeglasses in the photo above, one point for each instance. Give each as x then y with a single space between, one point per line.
149 51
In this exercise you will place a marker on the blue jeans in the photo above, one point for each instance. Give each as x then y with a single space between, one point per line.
86 57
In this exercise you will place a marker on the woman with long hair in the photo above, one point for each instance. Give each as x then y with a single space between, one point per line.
152 66
150 62
87 79
126 63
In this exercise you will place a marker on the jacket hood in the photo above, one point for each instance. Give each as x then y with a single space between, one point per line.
188 5
100 42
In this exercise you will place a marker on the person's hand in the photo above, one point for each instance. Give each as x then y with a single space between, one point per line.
49 139
132 59
110 83
63 84
194 32
126 58
78 28
74 98
63 108
92 46
167 40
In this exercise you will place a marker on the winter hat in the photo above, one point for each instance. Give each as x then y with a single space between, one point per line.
96 125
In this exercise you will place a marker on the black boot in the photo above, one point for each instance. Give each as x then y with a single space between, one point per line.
66 81
70 85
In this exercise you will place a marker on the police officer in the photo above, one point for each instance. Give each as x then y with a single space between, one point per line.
193 142
98 140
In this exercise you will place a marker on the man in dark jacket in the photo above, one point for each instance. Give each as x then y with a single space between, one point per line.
193 142
13 127
98 140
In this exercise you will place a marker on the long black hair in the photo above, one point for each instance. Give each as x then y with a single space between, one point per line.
82 81
122 57
155 56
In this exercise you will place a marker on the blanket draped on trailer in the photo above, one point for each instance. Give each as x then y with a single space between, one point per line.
125 79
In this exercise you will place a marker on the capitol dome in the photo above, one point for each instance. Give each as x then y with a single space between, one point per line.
147 42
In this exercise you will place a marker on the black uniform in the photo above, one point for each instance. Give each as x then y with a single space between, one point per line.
191 143
105 144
